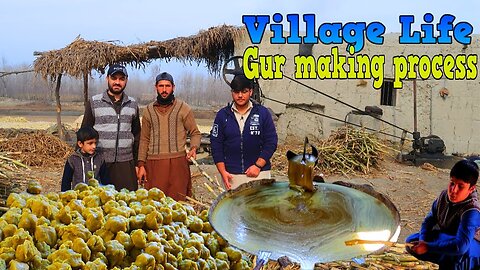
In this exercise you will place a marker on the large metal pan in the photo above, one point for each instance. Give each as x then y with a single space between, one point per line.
308 227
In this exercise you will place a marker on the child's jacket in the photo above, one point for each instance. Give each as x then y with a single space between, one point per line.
78 165
452 231
448 214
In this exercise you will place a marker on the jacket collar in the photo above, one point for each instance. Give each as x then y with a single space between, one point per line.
472 198
254 107
81 155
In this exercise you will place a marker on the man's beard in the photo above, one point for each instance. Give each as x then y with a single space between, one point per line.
115 92
165 101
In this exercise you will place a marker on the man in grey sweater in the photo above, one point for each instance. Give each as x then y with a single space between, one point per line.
116 118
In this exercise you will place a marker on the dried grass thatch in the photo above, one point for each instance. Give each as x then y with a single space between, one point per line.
213 46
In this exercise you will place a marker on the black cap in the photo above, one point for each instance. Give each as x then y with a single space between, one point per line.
117 68
164 76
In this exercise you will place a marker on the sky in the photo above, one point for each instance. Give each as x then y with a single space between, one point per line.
35 25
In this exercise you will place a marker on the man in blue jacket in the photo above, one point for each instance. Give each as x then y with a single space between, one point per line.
243 137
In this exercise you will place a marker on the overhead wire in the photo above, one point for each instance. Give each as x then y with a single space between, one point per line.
332 118
346 104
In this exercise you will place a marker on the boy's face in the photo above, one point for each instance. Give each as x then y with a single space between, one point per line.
242 97
88 146
458 190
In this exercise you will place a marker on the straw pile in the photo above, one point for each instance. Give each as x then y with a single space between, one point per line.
212 46
37 149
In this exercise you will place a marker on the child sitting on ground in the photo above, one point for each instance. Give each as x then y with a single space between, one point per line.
450 234
84 159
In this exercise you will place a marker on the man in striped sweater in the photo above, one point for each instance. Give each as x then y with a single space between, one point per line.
162 160
116 118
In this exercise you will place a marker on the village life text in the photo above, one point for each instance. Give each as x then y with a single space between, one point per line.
358 66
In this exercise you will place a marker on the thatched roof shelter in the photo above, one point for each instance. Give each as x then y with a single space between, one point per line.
213 46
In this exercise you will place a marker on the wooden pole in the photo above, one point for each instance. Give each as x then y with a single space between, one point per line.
415 105
6 73
59 107
85 89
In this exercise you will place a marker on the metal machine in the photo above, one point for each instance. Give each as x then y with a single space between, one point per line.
429 149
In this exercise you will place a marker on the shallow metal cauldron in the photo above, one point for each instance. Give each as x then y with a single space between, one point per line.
308 227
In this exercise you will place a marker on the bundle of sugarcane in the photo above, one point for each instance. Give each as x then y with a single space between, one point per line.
214 187
394 258
346 151
9 165
8 168
349 150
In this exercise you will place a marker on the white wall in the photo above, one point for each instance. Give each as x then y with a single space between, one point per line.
455 118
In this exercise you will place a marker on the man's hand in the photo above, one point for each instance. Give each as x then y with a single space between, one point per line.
141 175
192 153
252 171
420 247
227 177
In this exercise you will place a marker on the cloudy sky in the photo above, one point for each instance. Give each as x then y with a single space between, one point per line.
35 25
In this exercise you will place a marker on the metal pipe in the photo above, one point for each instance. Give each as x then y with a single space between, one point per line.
431 111
414 105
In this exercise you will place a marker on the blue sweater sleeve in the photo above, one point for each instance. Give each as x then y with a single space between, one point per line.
270 138
428 223
67 177
459 244
216 138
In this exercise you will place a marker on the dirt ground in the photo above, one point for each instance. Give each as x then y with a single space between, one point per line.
412 189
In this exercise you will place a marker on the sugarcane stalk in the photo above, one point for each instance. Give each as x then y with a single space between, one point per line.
203 172
16 162
9 153
378 266
210 189
218 185
196 202
361 241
